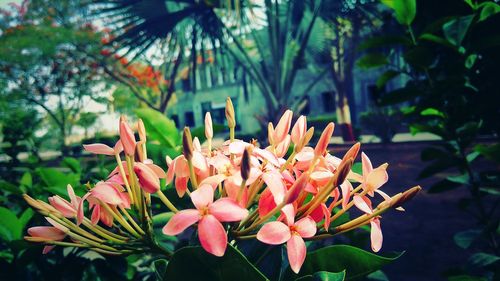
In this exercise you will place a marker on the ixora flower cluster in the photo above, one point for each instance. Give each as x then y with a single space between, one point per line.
279 194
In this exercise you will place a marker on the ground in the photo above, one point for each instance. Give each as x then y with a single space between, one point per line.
425 230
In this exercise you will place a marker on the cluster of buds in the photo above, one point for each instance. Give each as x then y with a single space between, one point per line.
287 192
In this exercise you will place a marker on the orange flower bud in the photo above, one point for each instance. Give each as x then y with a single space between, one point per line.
187 144
230 116
148 180
324 140
127 138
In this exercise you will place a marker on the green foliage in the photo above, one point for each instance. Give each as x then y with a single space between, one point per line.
159 127
232 266
323 276
372 61
384 122
405 10
356 262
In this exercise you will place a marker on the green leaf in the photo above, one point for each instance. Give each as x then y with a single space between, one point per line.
472 156
73 164
400 95
26 180
456 29
160 267
461 179
372 60
405 10
159 127
357 168
419 56
323 276
356 262
378 275
432 112
491 152
10 228
442 186
383 41
488 9
465 278
386 77
26 217
436 39
491 191
483 259
232 266
470 60
7 186
57 181
464 239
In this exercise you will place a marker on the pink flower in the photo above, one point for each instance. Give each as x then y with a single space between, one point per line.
373 178
376 237
148 179
324 140
299 129
276 232
67 209
100 148
209 133
127 138
208 215
283 126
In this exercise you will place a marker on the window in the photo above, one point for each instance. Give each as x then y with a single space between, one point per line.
175 118
189 118
328 102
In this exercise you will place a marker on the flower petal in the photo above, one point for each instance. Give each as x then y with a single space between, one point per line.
289 211
203 196
362 204
226 210
274 233
180 221
376 179
306 227
376 235
366 164
47 232
299 129
213 237
346 188
106 193
99 148
273 180
296 250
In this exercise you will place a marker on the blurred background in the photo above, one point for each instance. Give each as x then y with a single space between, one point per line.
414 81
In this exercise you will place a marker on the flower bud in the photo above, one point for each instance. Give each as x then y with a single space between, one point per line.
297 187
127 138
209 132
148 180
406 196
342 171
141 130
283 126
245 165
299 129
353 151
270 133
187 144
324 140
230 116
305 140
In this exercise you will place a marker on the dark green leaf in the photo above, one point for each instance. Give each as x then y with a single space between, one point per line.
433 153
489 9
7 186
232 266
26 180
436 167
436 39
323 276
72 164
10 228
386 77
483 259
399 95
159 127
491 191
465 278
491 152
405 10
419 56
356 262
432 112
464 239
56 181
456 29
461 179
442 186
378 275
26 217
383 41
160 267
371 61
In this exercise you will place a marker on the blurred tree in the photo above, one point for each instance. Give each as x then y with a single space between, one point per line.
86 120
45 63
266 40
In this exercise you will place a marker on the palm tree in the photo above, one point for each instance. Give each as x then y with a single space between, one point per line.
225 27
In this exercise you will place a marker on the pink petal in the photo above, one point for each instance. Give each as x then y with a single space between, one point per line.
127 138
282 147
106 193
47 232
289 212
180 221
118 148
376 179
274 233
106 218
324 140
213 237
346 188
299 129
203 196
376 235
214 180
209 132
326 212
99 148
47 249
226 210
306 227
62 206
148 179
181 186
366 164
266 155
75 200
296 250
57 225
96 214
266 203
275 183
157 170
199 161
283 126
362 204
